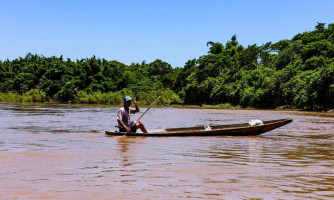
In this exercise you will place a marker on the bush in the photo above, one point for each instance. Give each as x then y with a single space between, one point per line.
99 97
10 97
34 95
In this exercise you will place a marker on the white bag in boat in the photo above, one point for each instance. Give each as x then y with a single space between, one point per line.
255 122
207 127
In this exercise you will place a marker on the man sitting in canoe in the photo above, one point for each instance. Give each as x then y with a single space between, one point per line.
123 117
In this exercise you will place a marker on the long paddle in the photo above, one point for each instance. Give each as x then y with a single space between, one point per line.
146 111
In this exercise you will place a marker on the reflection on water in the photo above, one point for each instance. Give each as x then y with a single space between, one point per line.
61 152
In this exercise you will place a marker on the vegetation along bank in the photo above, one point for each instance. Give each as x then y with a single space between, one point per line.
296 73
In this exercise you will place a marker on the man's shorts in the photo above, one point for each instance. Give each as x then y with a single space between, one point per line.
133 128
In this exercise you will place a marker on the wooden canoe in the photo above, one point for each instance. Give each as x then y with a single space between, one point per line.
221 130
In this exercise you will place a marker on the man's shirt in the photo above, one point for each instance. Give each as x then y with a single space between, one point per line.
123 115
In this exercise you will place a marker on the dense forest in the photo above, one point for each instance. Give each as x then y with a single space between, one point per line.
295 73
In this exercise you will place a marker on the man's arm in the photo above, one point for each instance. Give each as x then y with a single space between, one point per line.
135 102
126 128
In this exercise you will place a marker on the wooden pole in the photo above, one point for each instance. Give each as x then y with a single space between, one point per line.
146 111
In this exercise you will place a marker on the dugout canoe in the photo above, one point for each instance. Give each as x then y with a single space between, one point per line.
244 129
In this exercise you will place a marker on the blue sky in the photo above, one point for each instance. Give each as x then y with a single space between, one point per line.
133 31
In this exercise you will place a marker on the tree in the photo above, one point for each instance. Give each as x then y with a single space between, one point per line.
216 48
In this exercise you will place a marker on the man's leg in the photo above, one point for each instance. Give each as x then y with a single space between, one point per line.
141 126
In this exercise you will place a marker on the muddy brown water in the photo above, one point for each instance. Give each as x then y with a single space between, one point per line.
61 152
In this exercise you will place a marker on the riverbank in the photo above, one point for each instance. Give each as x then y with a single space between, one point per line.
168 97
116 99
294 111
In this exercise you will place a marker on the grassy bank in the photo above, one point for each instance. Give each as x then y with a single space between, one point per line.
115 99
168 97
30 96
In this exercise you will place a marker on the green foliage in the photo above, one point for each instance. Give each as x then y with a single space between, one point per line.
34 95
36 78
10 97
99 97
294 73
216 48
289 73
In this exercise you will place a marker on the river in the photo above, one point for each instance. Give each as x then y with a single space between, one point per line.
61 152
